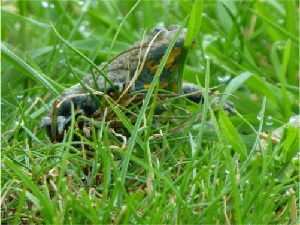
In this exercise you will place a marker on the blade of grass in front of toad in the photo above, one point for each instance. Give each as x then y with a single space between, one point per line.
192 31
144 107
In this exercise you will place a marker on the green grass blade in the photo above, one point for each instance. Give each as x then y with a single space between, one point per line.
277 27
17 62
65 159
85 58
206 106
192 31
194 23
232 135
47 207
287 108
257 136
146 102
234 84
9 16
21 203
291 144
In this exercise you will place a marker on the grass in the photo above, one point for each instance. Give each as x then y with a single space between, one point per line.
196 175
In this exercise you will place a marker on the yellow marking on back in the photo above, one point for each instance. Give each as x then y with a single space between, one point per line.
174 89
149 64
147 86
174 53
161 86
169 64
77 108
173 68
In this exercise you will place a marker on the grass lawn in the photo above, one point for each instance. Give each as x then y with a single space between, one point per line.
204 167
